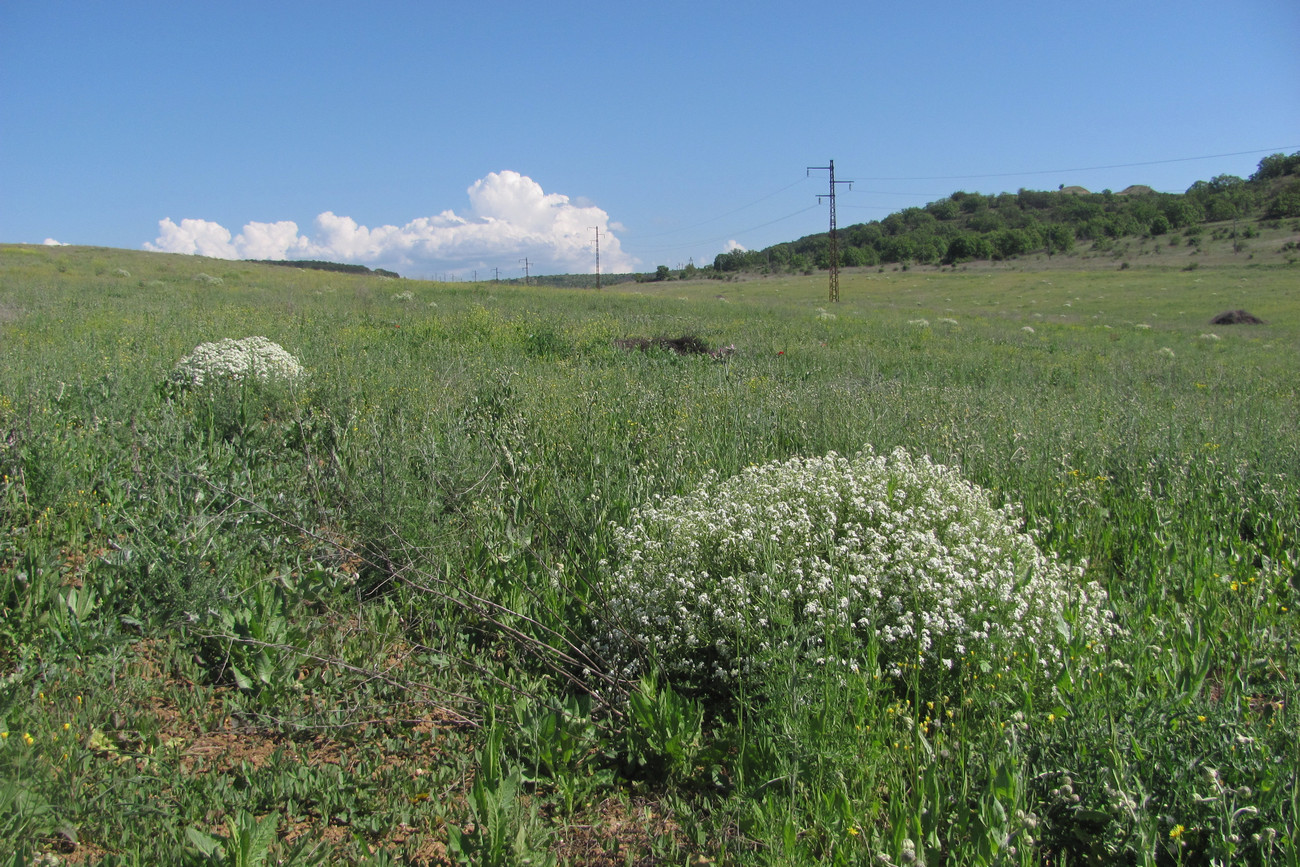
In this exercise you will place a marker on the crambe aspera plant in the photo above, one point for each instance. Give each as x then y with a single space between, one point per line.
257 639
236 360
665 730
892 565
500 824
249 841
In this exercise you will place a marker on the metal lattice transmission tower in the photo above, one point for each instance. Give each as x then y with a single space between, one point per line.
835 241
596 229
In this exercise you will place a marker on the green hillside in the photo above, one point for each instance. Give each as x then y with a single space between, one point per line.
985 565
966 227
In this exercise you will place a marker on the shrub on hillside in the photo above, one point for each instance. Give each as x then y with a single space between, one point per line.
870 564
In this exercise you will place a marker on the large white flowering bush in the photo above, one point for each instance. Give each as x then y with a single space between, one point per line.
895 562
237 360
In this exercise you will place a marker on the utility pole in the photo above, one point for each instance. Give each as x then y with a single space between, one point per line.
597 231
496 275
835 243
525 261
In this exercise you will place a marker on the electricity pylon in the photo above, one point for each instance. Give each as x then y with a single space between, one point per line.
835 244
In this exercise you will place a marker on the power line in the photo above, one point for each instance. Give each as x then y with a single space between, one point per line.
719 216
878 207
732 234
1084 169
898 193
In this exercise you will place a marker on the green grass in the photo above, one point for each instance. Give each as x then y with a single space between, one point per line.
359 607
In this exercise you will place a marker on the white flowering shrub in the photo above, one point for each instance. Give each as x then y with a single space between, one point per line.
880 562
237 360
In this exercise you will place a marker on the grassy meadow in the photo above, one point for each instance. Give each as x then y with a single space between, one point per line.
350 620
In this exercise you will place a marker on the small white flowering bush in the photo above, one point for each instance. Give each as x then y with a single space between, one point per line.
237 360
881 562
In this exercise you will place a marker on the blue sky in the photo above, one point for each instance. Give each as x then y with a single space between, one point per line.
452 139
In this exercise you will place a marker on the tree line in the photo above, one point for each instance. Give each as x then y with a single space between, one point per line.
971 226
316 265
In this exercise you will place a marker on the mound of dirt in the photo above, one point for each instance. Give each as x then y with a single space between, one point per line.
687 344
1236 317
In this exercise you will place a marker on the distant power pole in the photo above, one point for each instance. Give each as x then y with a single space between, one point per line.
835 243
496 275
525 261
597 231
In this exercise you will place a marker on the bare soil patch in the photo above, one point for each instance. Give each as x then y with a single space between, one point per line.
1236 317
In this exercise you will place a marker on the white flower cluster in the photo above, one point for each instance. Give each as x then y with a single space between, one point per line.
230 359
832 556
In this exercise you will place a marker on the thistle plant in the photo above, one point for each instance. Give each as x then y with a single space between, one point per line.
237 360
873 564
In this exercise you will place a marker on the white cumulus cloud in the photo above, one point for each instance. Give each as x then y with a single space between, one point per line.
196 237
268 240
733 246
510 217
